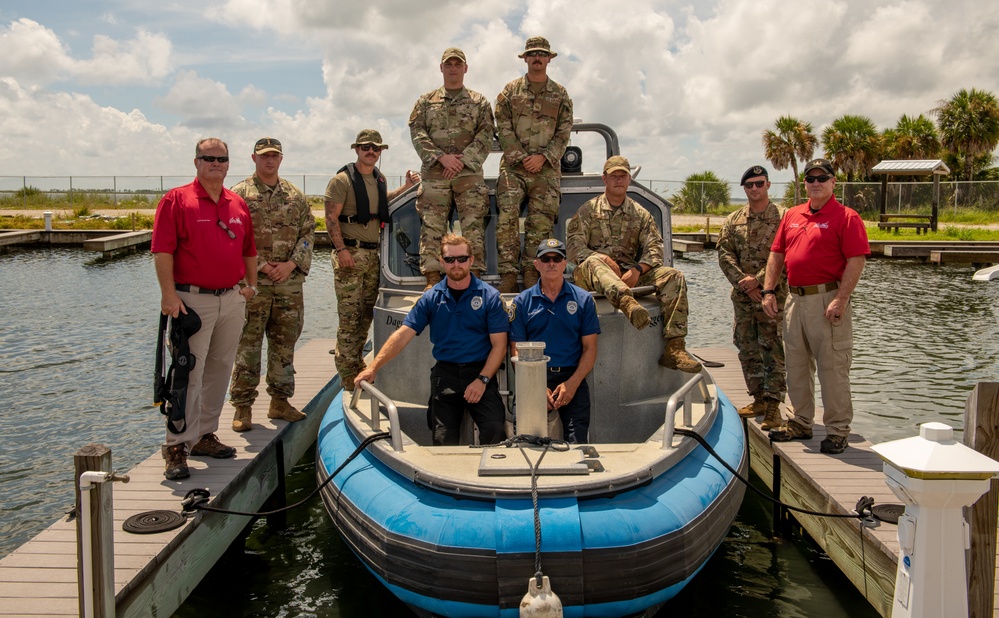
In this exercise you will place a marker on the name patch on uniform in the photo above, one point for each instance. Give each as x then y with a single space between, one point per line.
571 307
476 303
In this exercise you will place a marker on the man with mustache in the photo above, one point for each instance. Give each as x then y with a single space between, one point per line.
533 121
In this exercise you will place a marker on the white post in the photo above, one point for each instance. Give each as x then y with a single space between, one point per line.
532 385
936 477
48 220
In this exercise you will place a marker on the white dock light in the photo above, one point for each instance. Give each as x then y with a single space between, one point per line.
935 476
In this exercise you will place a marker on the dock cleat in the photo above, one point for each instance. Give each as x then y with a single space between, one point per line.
210 446
833 445
790 431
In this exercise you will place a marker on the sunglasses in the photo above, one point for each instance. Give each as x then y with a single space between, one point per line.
370 147
757 183
451 259
551 258
535 54
822 178
211 159
222 225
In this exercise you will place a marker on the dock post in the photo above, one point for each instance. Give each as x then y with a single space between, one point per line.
96 458
278 499
981 432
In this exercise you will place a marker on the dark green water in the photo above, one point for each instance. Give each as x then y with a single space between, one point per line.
76 358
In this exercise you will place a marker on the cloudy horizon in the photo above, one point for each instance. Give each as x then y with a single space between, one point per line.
688 86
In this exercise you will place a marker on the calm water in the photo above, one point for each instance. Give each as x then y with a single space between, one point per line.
76 350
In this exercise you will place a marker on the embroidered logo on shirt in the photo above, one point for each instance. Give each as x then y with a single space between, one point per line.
822 226
511 310
571 307
476 303
235 221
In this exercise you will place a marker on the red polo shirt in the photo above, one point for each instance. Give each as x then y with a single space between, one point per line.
817 245
187 225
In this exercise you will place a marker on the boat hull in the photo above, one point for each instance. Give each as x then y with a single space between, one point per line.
613 555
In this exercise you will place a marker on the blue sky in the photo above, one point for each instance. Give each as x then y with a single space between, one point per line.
126 87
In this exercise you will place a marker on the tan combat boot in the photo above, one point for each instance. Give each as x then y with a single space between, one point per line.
175 458
530 278
433 278
675 356
508 283
772 418
752 410
634 311
281 409
241 420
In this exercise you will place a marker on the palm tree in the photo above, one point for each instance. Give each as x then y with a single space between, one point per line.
969 126
912 138
789 140
853 145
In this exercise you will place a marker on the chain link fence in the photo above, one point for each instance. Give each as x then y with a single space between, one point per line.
689 197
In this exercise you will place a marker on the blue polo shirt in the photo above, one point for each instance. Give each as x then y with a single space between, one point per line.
460 330
560 324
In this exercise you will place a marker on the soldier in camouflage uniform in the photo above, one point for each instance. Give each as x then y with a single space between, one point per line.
533 121
743 249
284 230
356 204
452 129
617 246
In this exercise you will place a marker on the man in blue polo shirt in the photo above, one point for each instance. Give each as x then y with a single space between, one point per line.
564 316
468 327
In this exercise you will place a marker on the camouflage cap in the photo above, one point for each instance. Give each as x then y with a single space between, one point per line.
453 52
616 163
267 144
369 136
753 172
537 43
551 245
820 164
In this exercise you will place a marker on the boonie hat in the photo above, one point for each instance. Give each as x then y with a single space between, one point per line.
820 164
552 245
369 136
453 52
537 43
616 163
756 170
267 144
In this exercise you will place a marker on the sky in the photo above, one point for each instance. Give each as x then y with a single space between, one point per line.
127 87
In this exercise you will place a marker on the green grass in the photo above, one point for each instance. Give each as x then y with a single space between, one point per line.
944 233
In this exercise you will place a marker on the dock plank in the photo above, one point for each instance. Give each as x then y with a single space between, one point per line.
160 570
964 257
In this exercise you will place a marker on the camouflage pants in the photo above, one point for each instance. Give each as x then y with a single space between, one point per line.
760 341
671 291
356 292
277 311
543 194
433 203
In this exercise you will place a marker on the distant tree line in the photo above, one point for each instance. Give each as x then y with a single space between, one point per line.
964 136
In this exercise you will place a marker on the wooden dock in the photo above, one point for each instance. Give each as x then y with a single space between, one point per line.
154 573
118 244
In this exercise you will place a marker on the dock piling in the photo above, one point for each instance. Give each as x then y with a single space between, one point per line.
98 600
278 499
981 432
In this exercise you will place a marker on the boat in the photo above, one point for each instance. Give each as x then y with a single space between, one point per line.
615 527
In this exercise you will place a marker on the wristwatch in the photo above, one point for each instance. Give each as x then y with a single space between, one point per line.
483 379
765 292
254 288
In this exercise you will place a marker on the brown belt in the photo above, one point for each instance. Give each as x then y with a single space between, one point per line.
805 290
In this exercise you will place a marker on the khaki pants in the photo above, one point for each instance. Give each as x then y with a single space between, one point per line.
811 342
214 348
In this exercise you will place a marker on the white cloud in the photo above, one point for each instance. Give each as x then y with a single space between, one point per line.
201 103
31 52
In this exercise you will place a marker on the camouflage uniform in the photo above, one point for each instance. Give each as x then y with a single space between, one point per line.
743 249
529 123
284 230
454 123
628 235
356 287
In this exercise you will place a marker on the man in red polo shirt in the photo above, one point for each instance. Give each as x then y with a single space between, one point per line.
203 247
824 246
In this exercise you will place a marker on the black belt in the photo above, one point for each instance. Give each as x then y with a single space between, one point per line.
462 365
561 369
184 287
350 242
805 290
353 219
